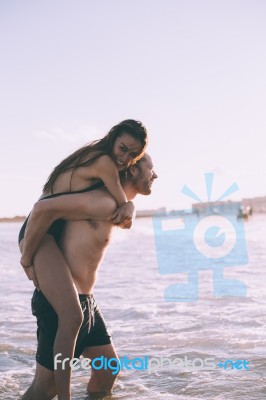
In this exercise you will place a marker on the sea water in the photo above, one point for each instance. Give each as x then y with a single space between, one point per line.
130 293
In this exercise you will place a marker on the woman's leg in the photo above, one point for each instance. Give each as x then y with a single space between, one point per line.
56 283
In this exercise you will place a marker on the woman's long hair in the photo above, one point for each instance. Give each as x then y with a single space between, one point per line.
80 158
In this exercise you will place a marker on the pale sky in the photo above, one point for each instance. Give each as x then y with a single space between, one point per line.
194 72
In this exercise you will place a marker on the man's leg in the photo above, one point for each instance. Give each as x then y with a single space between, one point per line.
101 381
43 385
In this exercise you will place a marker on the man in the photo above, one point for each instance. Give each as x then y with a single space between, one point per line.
83 243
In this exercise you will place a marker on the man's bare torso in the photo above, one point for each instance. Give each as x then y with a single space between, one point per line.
83 245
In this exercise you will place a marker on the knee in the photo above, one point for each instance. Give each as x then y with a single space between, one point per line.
102 383
76 316
77 319
72 320
115 369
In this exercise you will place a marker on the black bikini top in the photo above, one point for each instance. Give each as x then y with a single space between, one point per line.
88 189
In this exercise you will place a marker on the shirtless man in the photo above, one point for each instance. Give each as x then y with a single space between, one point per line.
83 244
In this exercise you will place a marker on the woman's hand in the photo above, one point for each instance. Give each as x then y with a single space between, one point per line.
125 225
124 215
30 272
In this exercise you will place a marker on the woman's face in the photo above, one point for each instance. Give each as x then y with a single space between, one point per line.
125 150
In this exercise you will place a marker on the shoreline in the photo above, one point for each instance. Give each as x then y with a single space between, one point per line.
14 219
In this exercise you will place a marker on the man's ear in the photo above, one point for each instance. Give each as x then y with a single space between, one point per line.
133 170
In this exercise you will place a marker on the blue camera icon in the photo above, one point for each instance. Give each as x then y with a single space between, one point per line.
188 242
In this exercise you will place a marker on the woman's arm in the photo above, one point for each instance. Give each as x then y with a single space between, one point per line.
106 170
92 205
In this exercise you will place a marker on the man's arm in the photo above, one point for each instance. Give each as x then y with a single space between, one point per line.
92 205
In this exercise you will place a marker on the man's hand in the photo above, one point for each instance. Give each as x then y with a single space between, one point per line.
124 225
124 214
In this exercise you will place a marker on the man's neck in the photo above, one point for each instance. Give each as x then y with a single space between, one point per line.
129 190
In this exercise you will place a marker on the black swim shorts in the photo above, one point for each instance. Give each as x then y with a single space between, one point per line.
93 331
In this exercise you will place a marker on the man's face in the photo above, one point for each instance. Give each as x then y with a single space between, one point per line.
144 175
